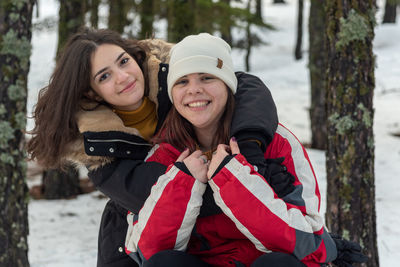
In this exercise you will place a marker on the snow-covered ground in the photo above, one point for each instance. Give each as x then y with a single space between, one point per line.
63 233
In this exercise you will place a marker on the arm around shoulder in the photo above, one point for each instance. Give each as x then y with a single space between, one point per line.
128 182
255 115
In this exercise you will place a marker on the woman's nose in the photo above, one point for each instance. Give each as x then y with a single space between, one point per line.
194 87
121 76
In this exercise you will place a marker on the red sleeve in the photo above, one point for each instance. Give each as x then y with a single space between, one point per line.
291 225
163 153
176 196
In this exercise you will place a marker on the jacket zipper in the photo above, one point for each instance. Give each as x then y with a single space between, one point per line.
117 140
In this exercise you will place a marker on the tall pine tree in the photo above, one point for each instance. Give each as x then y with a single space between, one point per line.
298 54
15 50
65 183
146 19
317 61
350 153
71 17
118 14
390 11
94 13
227 23
181 19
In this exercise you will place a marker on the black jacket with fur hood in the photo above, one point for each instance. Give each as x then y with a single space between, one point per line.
114 153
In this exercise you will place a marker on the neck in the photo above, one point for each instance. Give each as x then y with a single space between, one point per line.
205 137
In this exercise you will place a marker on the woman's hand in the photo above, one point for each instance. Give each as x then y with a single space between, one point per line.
196 163
219 155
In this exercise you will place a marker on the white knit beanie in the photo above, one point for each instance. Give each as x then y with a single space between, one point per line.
202 53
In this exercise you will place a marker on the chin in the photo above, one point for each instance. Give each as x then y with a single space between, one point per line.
200 125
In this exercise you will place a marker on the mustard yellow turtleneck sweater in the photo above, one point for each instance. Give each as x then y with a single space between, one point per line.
144 119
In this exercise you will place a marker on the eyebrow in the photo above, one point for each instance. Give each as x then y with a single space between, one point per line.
103 69
199 73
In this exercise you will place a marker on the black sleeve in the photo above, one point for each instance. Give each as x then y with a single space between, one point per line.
255 116
128 182
182 166
278 177
253 154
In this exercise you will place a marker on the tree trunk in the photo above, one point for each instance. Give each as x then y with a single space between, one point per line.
15 51
350 153
181 19
297 52
61 184
117 16
146 19
94 13
249 40
317 66
259 10
204 9
390 12
71 18
226 28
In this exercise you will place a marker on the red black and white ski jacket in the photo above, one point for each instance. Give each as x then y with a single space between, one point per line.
254 220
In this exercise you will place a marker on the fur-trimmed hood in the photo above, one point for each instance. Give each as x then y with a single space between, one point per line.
99 118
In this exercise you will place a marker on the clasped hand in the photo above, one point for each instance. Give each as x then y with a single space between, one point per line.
203 169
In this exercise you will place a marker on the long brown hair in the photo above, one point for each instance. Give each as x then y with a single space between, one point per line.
58 103
179 132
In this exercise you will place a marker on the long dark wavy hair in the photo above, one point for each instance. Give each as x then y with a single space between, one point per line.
179 132
58 103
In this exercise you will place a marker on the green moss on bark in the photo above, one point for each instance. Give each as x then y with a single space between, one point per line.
3 110
6 134
15 49
17 91
344 124
19 47
353 28
366 115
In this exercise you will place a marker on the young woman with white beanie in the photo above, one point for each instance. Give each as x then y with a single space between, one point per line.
252 225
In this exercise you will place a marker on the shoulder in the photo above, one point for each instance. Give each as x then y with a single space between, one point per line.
285 144
285 132
244 76
155 67
98 142
92 119
157 48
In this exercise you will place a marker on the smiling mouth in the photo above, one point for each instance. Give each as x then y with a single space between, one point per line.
128 87
198 104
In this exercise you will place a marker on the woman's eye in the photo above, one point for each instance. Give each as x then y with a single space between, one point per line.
103 77
208 77
181 82
124 61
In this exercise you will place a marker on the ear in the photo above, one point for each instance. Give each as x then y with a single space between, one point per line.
93 95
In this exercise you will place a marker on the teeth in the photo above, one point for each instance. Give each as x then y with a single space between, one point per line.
198 104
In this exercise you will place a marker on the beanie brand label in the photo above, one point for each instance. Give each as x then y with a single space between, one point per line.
220 63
